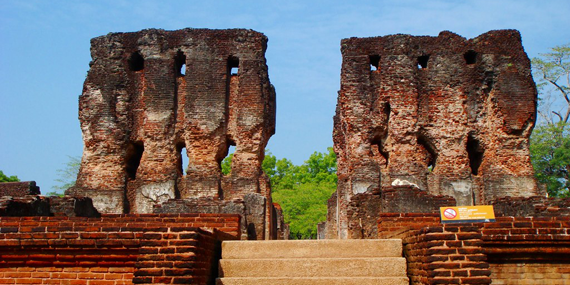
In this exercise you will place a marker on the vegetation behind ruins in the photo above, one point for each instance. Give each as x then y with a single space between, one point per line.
550 140
301 190
6 178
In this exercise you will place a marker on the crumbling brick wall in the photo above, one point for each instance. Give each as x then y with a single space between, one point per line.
32 205
153 94
19 189
449 115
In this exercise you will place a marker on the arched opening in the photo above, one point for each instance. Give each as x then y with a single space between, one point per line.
423 61
470 57
133 159
374 62
475 153
136 62
180 63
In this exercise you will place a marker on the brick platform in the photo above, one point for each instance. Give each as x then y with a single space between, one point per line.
113 249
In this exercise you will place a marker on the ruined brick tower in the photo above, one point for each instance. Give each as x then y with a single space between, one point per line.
444 114
153 96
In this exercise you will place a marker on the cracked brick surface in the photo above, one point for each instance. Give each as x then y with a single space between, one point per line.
153 96
445 114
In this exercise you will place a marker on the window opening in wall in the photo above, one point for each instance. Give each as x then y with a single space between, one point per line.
432 153
470 57
374 62
475 153
423 61
133 158
180 63
226 164
233 65
136 62
182 158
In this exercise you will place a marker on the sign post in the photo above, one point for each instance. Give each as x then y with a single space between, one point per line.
467 214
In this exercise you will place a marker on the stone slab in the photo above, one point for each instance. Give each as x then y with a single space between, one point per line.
311 248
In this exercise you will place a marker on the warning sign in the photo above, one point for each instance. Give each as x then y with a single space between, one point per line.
450 213
467 214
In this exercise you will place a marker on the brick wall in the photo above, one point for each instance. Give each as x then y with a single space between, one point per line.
528 250
530 273
36 205
512 250
67 275
365 209
416 110
536 206
398 225
19 189
446 254
410 199
113 249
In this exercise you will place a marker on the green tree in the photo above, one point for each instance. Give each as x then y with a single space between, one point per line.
67 175
227 164
550 141
5 178
304 206
552 71
550 154
301 190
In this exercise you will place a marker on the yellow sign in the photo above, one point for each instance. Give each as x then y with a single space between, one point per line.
467 214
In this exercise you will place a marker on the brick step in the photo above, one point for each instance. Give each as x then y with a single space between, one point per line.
311 249
315 281
314 267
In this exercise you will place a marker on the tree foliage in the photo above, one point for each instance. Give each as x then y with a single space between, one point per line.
552 71
550 154
550 141
301 190
67 175
5 178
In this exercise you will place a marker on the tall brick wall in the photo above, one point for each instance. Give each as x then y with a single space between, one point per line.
448 115
113 249
153 96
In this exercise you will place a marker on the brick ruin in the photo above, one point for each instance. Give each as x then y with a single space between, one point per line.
422 122
153 96
444 114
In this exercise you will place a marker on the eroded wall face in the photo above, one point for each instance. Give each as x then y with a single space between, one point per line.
153 96
449 115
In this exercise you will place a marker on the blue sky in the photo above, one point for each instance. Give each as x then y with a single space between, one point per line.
44 57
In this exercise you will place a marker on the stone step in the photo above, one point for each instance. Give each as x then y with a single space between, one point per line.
314 267
315 281
311 249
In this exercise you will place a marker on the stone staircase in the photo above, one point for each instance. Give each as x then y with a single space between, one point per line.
345 262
